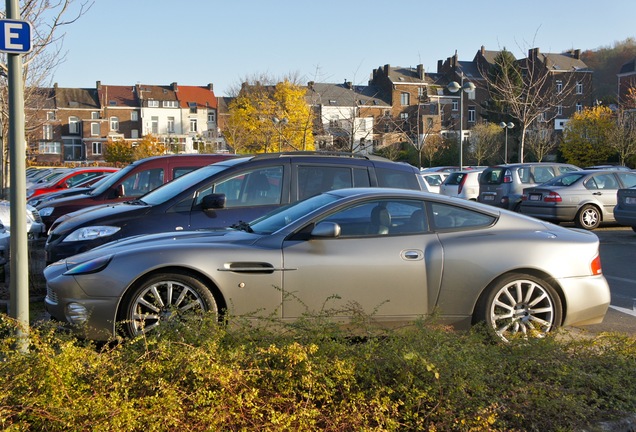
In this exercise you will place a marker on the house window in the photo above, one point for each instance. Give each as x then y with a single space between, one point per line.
193 125
420 92
559 109
559 86
47 132
134 116
334 122
114 123
50 148
404 116
95 129
541 117
211 116
94 115
193 107
169 104
153 104
579 87
50 115
134 134
471 114
170 126
97 148
579 107
154 125
405 99
455 105
73 125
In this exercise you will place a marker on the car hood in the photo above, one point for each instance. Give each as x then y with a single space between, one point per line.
64 200
163 241
96 215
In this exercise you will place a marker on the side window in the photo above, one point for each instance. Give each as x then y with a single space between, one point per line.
261 186
178 172
447 216
628 179
397 179
602 181
524 174
543 174
142 182
384 217
566 169
313 180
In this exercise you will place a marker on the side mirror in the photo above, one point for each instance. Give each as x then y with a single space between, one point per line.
326 230
120 191
213 202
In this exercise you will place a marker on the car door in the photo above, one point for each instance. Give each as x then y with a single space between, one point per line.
603 188
379 263
249 194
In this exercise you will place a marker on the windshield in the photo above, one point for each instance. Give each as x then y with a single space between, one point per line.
111 180
283 216
564 179
185 182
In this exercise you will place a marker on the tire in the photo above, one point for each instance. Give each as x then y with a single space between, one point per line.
164 297
588 217
520 306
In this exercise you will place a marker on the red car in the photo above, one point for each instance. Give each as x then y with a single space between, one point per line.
69 179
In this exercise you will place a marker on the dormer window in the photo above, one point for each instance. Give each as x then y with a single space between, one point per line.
153 104
193 107
169 104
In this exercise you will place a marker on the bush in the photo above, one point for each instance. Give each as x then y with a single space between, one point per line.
311 375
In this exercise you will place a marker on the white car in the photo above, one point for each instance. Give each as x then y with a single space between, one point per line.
433 180
462 184
35 226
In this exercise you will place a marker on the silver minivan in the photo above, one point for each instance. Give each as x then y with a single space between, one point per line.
502 185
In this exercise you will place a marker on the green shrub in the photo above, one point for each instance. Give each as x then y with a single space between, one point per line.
312 375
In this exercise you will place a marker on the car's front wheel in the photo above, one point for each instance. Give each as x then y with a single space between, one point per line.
164 297
588 217
520 305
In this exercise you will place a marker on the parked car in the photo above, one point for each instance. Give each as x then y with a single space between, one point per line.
502 185
44 176
83 187
249 186
35 226
398 254
433 180
462 184
609 167
625 209
586 197
129 183
5 244
68 179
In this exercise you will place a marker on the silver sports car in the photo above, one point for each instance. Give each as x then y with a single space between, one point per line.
397 254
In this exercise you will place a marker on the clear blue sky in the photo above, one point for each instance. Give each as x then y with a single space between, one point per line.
196 42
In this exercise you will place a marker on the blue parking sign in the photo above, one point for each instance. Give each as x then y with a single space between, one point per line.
15 36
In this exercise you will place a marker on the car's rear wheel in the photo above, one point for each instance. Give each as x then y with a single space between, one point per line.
520 306
588 217
165 297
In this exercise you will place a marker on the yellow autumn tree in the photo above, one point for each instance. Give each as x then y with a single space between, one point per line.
585 137
124 152
268 118
148 146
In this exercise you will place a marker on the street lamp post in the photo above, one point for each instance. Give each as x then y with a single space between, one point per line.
468 87
506 126
280 123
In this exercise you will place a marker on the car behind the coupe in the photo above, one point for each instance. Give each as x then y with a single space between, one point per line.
398 254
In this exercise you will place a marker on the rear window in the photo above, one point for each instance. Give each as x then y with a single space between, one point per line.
492 176
454 179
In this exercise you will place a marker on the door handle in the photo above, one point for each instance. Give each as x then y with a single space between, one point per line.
412 255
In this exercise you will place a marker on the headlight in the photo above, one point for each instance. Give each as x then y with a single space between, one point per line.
46 211
91 232
93 266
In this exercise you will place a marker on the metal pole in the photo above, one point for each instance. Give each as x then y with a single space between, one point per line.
461 122
19 268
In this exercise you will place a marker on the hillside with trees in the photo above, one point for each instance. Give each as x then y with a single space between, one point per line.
606 62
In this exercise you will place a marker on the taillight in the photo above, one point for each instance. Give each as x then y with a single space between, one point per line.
552 197
507 176
461 183
595 265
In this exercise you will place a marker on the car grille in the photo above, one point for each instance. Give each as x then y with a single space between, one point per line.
51 296
36 216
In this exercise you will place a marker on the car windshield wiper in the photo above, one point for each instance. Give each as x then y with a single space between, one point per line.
243 226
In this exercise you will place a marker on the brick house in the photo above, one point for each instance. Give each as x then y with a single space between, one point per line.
626 82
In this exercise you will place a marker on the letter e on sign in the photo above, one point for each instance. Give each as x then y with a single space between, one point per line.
15 36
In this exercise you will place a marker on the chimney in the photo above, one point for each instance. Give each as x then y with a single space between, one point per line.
310 84
387 67
577 54
98 85
210 86
533 52
174 86
440 66
348 84
420 71
483 50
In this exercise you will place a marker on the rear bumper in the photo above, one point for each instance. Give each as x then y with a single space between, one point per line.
586 299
